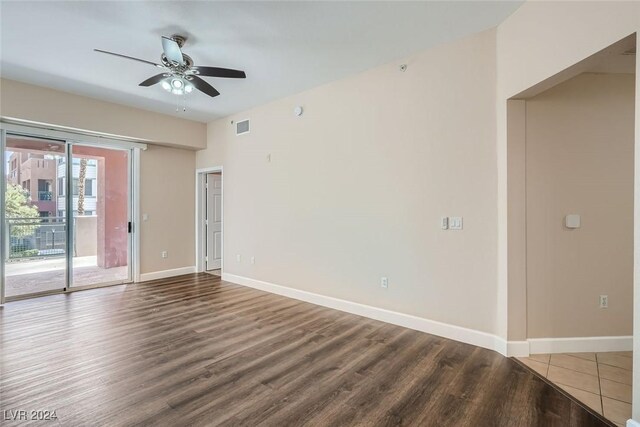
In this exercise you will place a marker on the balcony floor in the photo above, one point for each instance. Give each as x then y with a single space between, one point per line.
27 277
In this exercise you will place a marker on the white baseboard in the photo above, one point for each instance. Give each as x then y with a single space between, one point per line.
458 333
632 423
580 344
518 348
145 277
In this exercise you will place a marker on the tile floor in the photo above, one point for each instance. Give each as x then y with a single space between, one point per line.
601 381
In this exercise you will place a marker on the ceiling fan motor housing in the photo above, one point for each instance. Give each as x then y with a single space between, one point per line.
178 68
179 39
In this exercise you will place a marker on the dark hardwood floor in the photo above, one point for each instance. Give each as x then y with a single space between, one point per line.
194 350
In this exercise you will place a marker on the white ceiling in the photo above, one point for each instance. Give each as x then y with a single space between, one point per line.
284 47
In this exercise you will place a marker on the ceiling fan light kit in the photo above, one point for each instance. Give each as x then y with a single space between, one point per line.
180 76
176 85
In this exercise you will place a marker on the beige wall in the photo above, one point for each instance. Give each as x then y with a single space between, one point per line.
357 185
579 156
517 224
38 104
167 196
536 42
86 236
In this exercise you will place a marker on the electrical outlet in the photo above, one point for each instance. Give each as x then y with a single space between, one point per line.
164 254
238 258
384 282
604 301
253 260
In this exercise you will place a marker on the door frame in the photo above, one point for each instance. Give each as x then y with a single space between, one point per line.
84 139
201 240
131 202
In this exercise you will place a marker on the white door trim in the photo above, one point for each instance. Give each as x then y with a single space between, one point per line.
43 130
200 238
136 216
3 182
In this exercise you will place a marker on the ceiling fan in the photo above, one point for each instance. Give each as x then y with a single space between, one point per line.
180 76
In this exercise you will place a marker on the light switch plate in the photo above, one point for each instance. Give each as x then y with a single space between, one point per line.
444 223
455 223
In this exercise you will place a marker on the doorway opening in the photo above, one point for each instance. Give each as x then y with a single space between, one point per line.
209 221
571 142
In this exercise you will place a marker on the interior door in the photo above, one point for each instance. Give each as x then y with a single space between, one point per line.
213 221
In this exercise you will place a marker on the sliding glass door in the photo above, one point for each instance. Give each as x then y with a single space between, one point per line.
35 235
67 215
101 206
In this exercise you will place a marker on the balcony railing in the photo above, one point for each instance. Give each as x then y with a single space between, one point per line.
35 237
45 195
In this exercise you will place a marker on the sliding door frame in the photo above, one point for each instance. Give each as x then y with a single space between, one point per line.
4 247
71 139
130 217
68 217
3 191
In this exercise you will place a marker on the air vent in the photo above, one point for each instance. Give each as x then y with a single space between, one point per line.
242 127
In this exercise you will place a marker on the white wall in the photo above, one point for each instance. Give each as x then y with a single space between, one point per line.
357 185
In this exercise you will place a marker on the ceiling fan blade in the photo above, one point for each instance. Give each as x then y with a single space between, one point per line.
203 86
129 57
219 72
172 50
153 80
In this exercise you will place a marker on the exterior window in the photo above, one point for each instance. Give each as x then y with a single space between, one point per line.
61 186
44 190
88 187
